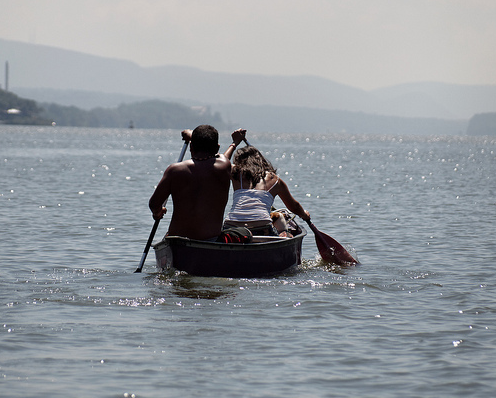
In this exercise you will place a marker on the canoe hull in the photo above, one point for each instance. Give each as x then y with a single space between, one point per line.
233 260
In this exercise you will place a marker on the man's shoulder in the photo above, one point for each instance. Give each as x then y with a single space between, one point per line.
223 160
182 164
223 163
179 167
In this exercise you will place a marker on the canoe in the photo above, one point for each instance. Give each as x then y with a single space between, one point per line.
264 256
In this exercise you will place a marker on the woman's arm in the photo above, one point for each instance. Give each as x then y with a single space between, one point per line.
237 136
291 203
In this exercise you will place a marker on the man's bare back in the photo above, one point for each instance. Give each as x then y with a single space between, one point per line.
199 187
200 190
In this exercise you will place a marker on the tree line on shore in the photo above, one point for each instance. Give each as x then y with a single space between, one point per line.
170 115
145 114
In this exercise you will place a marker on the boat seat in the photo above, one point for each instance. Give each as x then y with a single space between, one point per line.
263 238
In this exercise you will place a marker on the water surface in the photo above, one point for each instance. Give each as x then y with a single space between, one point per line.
415 319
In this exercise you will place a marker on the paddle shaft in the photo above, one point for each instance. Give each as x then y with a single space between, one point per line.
157 222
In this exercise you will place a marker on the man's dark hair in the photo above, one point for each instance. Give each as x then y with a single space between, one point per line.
205 138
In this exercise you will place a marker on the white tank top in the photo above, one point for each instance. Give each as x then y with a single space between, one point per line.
251 204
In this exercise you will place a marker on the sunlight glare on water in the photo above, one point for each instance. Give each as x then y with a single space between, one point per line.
416 318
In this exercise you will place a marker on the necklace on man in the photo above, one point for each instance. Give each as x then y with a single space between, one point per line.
208 157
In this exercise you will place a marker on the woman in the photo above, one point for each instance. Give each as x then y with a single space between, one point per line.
255 185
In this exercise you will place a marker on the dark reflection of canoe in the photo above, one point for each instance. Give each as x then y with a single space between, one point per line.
265 256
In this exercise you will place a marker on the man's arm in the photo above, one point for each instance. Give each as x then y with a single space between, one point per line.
163 190
186 134
160 196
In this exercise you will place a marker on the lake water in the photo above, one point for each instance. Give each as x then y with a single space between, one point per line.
417 318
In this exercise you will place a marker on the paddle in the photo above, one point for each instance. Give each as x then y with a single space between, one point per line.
155 225
330 250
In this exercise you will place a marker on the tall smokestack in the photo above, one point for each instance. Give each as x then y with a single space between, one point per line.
6 75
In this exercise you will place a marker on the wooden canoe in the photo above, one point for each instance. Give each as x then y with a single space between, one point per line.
265 256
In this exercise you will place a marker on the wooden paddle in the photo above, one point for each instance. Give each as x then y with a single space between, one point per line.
155 225
330 250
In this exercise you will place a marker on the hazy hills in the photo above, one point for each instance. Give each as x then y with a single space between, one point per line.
65 77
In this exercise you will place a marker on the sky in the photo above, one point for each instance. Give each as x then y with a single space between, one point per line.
366 44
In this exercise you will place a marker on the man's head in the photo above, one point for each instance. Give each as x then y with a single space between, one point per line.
205 139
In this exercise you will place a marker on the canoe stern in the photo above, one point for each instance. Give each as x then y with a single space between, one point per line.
264 257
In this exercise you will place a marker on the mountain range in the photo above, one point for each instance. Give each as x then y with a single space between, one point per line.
48 74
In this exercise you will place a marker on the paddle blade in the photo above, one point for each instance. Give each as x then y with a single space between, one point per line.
331 250
142 262
147 247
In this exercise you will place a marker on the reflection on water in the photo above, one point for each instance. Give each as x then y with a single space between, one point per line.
185 286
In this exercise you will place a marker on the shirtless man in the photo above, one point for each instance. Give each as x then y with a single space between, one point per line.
199 187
